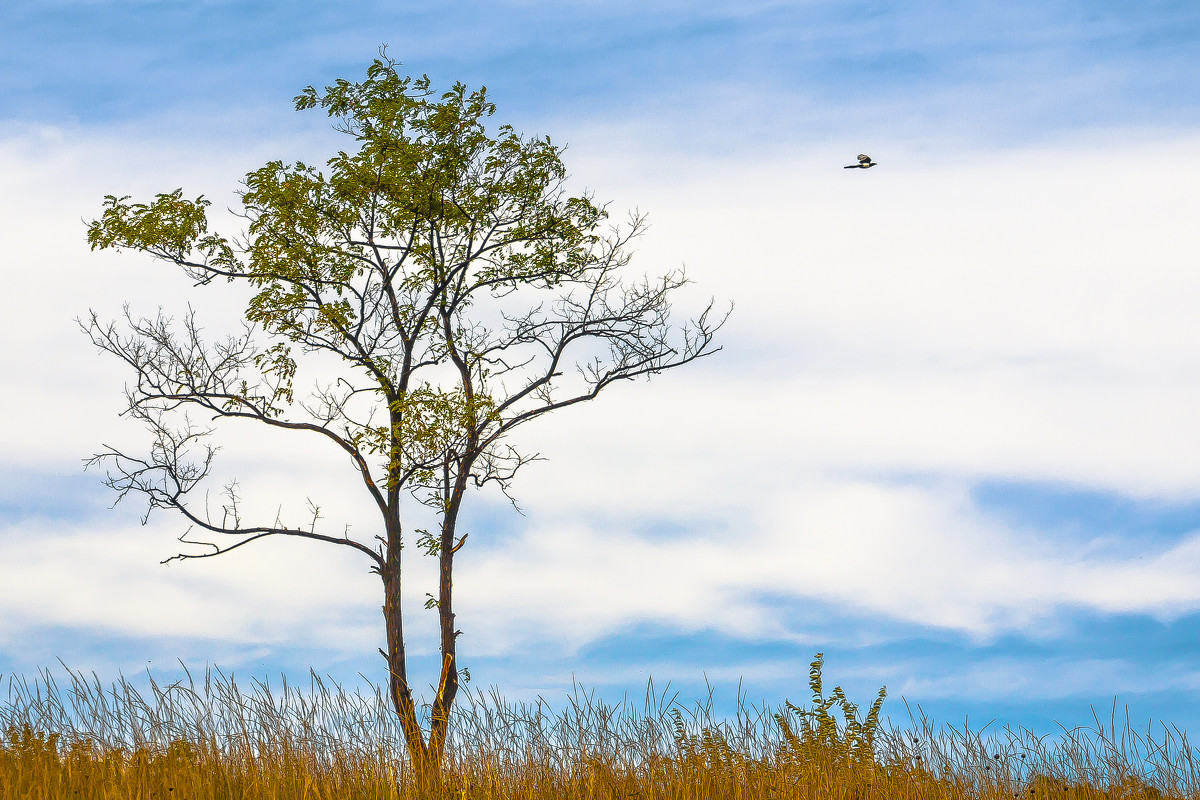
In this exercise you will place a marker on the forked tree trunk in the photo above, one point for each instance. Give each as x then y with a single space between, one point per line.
426 759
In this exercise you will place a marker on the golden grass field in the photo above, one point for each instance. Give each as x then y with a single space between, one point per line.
247 749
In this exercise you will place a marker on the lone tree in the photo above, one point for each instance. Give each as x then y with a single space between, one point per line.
406 260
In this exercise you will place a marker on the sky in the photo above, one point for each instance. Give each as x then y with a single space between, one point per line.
949 442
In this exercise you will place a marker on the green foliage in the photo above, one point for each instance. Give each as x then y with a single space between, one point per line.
454 209
429 425
426 173
428 542
423 159
277 360
859 739
424 166
170 225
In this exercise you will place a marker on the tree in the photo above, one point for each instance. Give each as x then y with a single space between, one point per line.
404 261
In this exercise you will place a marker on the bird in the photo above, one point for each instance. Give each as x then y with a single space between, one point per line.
864 162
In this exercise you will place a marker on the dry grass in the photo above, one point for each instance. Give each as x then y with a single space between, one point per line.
246 749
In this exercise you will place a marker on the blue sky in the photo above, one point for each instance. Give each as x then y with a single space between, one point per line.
948 442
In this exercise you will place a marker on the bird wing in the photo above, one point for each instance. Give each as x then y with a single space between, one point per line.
863 158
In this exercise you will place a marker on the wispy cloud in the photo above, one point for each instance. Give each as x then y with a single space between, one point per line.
990 71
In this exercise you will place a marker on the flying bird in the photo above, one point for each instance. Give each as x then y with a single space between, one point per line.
864 162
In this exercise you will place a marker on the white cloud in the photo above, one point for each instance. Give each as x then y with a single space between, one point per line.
979 315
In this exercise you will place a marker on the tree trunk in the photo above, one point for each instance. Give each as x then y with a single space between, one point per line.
440 726
448 685
401 694
426 760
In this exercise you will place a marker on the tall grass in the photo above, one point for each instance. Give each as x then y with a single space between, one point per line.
248 749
